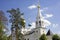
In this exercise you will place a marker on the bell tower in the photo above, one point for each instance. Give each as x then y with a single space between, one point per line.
39 21
39 16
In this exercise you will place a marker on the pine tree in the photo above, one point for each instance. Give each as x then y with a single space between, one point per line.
16 21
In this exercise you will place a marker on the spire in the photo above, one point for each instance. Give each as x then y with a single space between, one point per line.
39 12
39 21
39 16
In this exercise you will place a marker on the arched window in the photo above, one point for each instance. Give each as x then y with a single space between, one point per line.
39 22
36 39
36 22
28 39
37 31
25 39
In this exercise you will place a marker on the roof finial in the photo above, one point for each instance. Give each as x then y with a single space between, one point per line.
38 3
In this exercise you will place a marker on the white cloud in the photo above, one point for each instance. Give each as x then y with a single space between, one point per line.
44 9
33 25
25 30
46 22
55 25
32 6
58 33
41 10
48 15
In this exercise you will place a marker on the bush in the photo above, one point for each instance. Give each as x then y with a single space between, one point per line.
55 37
43 37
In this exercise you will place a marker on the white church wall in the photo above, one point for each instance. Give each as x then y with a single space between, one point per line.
49 37
29 37
42 31
34 36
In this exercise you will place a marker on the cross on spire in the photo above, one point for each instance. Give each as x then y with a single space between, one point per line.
38 1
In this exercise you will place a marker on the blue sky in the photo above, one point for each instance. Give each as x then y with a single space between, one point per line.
53 8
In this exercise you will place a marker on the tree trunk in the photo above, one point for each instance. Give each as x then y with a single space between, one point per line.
16 31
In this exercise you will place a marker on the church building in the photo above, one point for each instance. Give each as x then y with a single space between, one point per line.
40 29
35 33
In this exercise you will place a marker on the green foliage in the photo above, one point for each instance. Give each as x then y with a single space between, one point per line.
16 20
16 17
43 37
3 21
9 37
22 22
55 37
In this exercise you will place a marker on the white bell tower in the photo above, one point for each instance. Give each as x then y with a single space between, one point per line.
39 21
